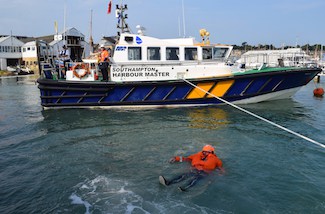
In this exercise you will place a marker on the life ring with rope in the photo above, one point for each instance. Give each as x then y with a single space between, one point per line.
84 66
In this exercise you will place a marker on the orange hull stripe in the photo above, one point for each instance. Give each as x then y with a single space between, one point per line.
197 93
221 88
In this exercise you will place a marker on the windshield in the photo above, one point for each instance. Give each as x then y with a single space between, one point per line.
220 53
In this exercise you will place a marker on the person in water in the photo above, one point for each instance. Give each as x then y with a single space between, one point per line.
203 163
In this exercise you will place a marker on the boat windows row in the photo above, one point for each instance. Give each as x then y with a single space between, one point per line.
173 53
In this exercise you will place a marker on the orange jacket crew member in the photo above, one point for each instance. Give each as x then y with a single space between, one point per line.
104 62
202 162
104 54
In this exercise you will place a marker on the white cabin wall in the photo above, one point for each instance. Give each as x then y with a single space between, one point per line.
120 54
199 54
144 53
163 54
181 54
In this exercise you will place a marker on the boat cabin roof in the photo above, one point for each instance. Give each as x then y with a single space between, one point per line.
135 48
135 39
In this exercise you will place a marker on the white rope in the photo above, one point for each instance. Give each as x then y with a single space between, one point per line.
257 116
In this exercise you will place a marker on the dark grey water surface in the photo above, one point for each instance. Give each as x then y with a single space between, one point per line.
108 161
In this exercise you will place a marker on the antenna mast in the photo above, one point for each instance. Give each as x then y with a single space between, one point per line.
91 41
64 23
121 16
183 18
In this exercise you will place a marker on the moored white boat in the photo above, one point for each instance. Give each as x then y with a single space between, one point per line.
274 58
12 69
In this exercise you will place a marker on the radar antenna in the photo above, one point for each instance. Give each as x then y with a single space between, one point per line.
121 16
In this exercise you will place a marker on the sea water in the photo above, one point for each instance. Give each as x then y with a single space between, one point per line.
108 161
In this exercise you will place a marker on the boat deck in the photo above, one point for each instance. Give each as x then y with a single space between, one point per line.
265 70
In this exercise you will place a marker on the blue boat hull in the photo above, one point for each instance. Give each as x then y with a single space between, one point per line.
56 93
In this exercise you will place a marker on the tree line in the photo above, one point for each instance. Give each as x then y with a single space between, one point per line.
247 47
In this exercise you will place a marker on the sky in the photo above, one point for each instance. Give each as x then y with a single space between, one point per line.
277 22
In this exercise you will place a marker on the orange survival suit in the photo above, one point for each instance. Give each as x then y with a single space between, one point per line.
203 160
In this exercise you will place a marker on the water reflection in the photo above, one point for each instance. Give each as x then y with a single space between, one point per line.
208 118
25 79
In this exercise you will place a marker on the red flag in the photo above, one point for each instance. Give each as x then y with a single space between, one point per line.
109 10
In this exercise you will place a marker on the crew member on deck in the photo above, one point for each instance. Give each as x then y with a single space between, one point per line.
203 163
65 57
104 62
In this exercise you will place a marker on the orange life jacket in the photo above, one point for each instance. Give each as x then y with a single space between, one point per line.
104 56
202 162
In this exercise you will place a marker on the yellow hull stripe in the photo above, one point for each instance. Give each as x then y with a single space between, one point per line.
221 88
197 93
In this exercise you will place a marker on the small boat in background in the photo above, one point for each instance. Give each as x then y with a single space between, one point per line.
24 70
291 57
12 69
19 70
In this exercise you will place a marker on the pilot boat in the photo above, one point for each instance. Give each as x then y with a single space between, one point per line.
152 72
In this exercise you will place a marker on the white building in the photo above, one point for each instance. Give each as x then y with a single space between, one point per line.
14 52
32 52
29 55
10 52
74 40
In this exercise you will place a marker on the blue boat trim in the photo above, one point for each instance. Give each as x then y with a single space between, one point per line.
56 93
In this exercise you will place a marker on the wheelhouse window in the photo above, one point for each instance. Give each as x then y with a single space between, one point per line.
134 53
219 53
190 53
172 53
153 53
207 53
